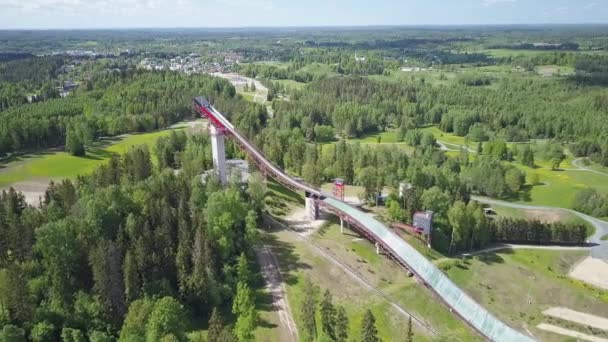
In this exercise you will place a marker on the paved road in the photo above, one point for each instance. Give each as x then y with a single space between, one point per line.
577 163
274 284
600 250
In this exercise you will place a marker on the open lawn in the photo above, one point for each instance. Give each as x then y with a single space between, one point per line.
435 77
515 52
300 260
318 69
517 285
559 188
291 84
361 256
449 138
387 138
248 95
49 165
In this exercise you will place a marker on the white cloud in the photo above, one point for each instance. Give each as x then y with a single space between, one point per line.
496 2
267 5
590 5
107 6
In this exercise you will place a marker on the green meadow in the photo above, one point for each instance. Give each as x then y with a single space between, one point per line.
58 164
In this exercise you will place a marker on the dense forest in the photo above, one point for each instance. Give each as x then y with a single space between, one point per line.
130 242
109 104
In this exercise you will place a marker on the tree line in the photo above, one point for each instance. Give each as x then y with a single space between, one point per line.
109 104
536 232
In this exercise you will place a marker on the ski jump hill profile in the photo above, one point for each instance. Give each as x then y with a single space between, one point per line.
433 278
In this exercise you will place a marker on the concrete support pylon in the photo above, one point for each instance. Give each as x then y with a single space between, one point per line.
312 208
341 225
377 248
219 153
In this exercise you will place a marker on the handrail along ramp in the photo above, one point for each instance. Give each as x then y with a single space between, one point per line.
456 299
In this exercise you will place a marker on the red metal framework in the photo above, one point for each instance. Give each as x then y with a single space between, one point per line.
339 189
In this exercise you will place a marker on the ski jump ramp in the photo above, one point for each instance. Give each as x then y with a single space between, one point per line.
451 295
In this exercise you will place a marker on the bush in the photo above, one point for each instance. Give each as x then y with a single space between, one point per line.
591 202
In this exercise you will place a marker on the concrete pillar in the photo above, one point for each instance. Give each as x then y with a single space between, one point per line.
341 225
219 154
312 208
377 248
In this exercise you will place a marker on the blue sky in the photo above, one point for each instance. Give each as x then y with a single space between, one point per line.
238 13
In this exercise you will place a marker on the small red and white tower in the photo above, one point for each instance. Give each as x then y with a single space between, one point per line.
339 189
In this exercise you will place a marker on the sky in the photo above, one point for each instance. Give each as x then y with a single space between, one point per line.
70 14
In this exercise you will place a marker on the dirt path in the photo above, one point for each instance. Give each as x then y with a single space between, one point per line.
578 317
274 284
567 332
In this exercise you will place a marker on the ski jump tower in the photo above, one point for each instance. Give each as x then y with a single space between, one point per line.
219 153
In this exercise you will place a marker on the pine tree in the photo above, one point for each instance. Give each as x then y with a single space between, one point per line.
369 333
243 274
308 311
131 277
409 337
215 327
328 315
106 262
244 309
341 325
183 255
74 143
527 156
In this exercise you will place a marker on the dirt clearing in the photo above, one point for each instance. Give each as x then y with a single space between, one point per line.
32 190
299 221
567 332
593 271
578 317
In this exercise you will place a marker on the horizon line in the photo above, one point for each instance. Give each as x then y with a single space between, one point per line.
300 26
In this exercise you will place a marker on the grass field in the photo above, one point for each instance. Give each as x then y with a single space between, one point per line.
558 187
361 255
248 95
387 138
517 285
300 260
432 76
58 164
449 137
291 84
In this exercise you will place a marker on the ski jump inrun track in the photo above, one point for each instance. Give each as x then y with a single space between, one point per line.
451 295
